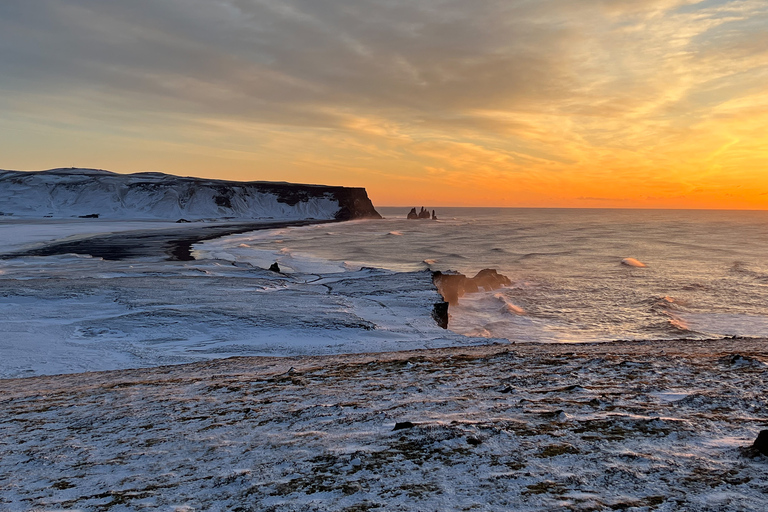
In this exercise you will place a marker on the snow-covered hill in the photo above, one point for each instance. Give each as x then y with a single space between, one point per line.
64 193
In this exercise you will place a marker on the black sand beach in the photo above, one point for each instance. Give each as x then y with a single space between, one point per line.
174 243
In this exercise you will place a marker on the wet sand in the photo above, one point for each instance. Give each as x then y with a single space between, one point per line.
175 243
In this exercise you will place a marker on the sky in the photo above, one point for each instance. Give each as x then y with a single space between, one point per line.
519 103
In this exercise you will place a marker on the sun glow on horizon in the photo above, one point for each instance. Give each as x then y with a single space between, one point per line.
596 104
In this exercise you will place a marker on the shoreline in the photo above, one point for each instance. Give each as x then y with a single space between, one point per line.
688 348
174 243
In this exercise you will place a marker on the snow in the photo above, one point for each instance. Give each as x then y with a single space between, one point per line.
73 313
521 427
66 193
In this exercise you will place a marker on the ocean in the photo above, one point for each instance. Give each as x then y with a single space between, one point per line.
576 274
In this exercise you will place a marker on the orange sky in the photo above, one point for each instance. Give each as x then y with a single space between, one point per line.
596 103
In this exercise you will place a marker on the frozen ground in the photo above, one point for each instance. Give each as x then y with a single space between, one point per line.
70 313
618 426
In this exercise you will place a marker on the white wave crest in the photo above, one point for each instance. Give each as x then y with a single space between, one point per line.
632 262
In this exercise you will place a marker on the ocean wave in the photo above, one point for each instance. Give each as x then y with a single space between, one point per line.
507 306
740 268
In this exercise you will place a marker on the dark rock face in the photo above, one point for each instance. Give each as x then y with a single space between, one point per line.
761 443
403 424
274 267
422 214
440 314
223 201
353 202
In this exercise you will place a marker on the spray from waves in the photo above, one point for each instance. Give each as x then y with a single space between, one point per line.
673 311
507 306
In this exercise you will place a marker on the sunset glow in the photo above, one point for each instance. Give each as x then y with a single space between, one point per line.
595 103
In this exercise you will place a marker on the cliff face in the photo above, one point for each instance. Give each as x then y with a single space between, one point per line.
62 193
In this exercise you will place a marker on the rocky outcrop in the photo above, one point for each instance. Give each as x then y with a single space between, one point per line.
440 314
761 443
423 214
454 285
90 193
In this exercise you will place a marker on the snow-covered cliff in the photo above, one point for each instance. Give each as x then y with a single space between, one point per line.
61 193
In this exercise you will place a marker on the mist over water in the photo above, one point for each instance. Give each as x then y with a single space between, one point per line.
577 275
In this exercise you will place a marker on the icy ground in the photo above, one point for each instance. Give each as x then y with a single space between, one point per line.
618 426
67 314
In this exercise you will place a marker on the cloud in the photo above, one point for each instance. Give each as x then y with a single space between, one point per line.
497 87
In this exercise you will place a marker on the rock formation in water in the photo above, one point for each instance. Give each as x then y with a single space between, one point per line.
454 285
91 193
422 214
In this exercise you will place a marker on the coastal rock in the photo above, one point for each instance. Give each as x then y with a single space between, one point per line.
450 286
453 285
94 193
422 214
489 279
440 314
400 425
274 267
761 443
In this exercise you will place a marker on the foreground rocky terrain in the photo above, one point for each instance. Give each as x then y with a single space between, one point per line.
618 426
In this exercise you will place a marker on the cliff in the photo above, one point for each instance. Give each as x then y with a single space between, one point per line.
61 193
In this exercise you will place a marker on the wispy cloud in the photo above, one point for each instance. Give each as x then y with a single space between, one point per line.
568 99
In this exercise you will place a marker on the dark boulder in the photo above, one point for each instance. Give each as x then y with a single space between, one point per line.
400 425
440 314
761 443
274 267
